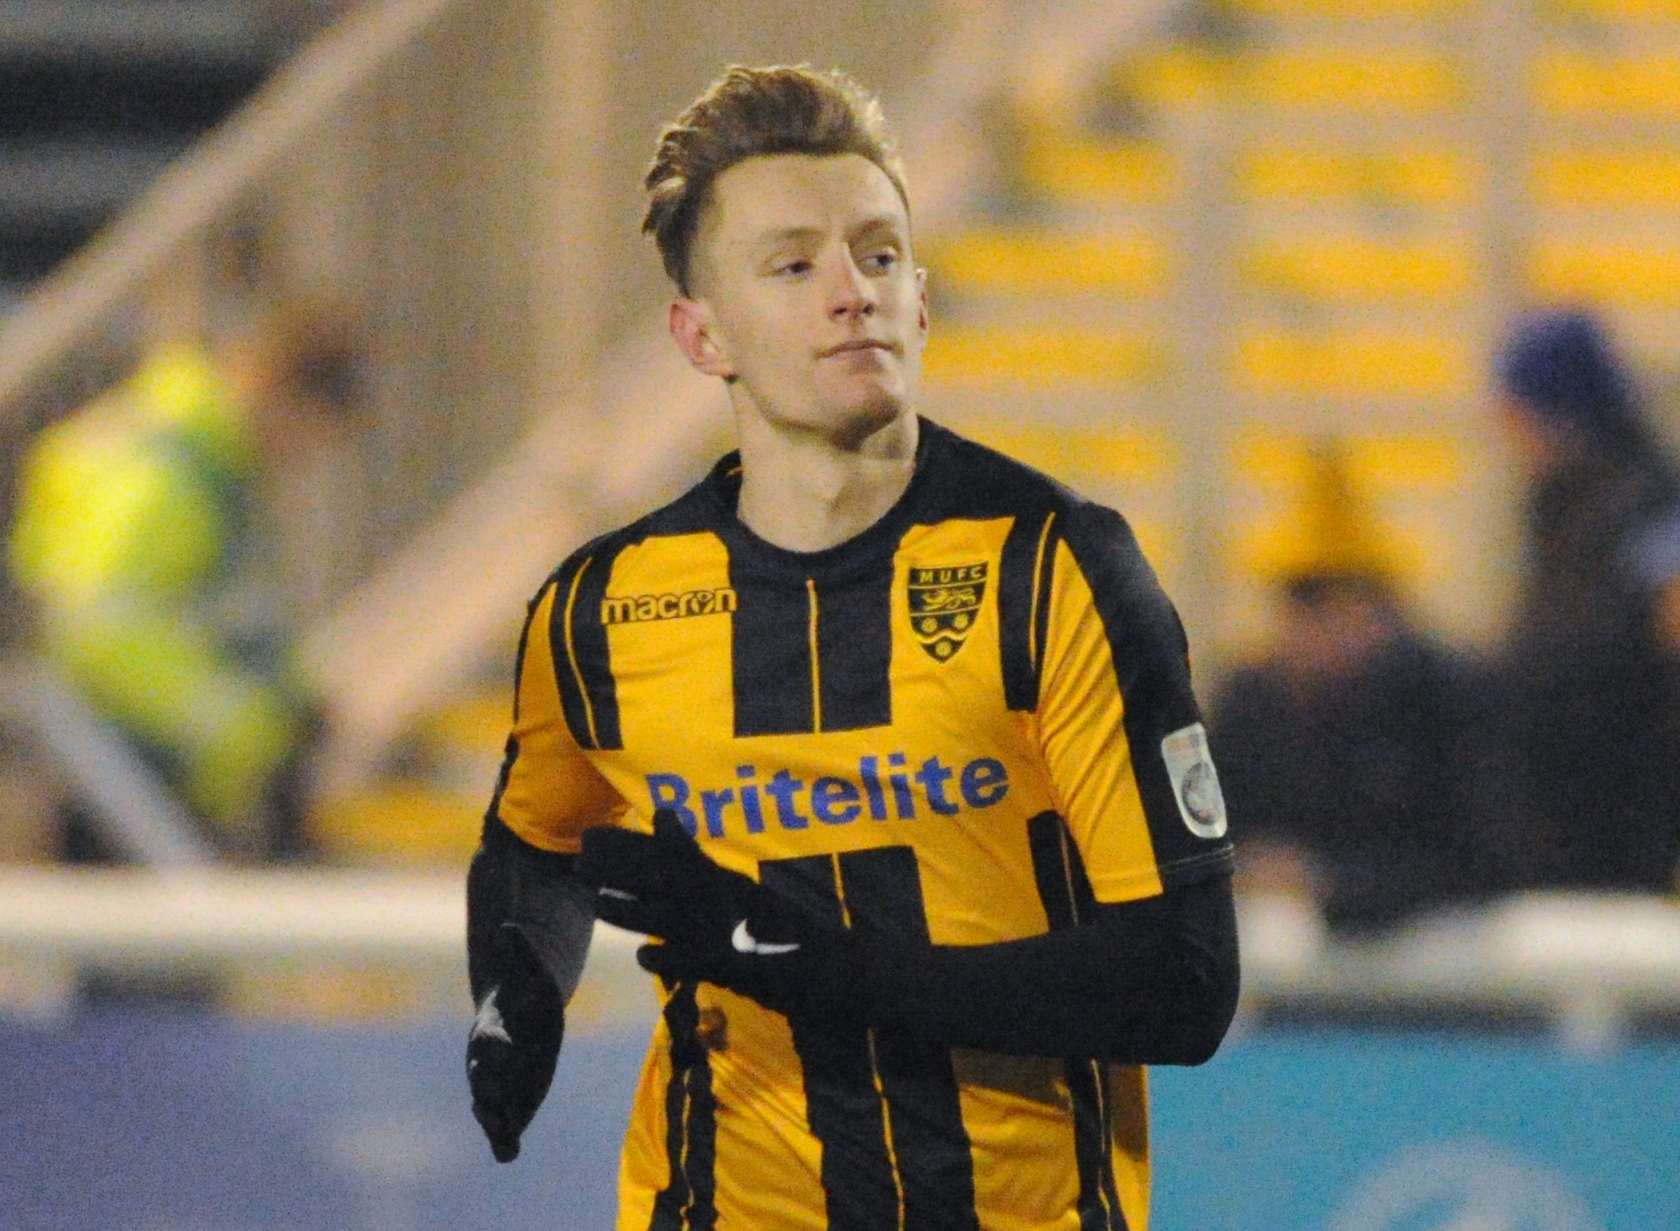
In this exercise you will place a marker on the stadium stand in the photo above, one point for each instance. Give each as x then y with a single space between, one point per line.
99 97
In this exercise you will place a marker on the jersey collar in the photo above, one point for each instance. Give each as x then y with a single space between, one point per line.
866 551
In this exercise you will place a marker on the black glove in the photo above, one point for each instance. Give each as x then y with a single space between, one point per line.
514 1042
717 925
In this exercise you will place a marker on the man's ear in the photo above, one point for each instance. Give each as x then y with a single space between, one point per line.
921 300
690 323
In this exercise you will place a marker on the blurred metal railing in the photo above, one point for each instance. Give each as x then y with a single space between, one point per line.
139 818
1584 966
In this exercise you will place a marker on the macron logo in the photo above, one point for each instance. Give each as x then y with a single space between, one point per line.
634 608
745 942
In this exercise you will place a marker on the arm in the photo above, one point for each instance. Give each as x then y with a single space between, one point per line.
1141 962
1148 982
529 918
514 886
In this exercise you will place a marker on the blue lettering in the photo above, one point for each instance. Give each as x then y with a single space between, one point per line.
984 782
826 793
782 788
749 800
872 788
883 792
900 784
712 804
671 791
933 776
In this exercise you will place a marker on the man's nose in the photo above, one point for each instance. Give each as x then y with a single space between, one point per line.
852 293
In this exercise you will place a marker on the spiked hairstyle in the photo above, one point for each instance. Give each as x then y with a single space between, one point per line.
746 113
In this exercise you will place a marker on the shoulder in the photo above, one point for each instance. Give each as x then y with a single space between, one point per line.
972 479
696 511
969 479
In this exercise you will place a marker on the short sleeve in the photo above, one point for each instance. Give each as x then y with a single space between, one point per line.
1121 732
548 792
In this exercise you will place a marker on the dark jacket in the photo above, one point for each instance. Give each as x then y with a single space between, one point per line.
1592 697
1372 774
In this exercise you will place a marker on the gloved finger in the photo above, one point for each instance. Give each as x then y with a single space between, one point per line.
672 963
666 826
498 1130
632 914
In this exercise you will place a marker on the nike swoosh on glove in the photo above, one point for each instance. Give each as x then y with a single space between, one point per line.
513 1044
717 925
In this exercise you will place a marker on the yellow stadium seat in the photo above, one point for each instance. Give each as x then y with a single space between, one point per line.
1124 453
1381 464
1612 10
1628 271
1349 10
1073 167
1613 177
1344 269
1174 76
1362 82
1047 262
399 823
1314 502
1006 355
1268 547
1427 176
1354 363
1569 83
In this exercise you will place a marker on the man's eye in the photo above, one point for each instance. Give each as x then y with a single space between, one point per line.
881 262
792 267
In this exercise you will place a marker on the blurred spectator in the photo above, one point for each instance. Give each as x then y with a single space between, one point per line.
1347 751
1592 662
134 538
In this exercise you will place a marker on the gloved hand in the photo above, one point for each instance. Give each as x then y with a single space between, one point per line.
718 926
514 1042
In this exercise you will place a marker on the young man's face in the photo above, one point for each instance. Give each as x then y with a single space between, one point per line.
805 293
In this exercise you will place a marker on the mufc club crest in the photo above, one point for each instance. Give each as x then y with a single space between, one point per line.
944 604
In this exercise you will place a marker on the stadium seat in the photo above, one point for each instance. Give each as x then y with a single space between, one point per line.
1124 452
426 812
1033 261
1580 86
1632 271
1374 81
1353 269
1381 463
1037 356
1271 469
1352 363
1348 10
1078 168
1418 175
1173 76
1643 177
1612 10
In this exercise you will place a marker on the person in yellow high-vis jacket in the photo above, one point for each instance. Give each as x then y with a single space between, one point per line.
132 522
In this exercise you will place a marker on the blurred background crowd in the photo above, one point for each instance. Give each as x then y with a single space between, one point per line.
325 330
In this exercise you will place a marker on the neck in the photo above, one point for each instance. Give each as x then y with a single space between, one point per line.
807 491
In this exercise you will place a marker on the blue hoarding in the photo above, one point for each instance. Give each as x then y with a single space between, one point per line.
154 1121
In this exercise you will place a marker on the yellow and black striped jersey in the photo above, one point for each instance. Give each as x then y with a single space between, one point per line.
973 722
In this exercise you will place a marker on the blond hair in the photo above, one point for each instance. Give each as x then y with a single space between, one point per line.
747 113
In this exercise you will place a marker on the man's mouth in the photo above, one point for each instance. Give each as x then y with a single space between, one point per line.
856 344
